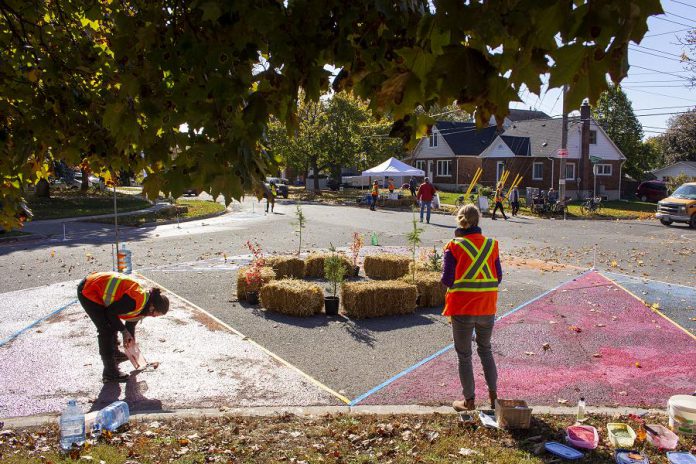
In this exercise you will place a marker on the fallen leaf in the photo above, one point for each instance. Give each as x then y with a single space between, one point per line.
600 325
562 401
529 353
597 355
468 452
575 329
614 264
623 393
638 365
546 346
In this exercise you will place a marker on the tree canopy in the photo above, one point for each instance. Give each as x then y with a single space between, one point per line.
678 143
109 84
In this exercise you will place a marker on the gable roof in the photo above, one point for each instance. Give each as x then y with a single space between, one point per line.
518 145
544 135
464 138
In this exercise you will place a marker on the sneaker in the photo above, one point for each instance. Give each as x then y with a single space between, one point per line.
494 218
464 405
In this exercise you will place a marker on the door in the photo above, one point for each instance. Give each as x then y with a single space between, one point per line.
499 169
429 172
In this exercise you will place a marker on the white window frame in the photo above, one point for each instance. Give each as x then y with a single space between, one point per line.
420 164
499 172
570 165
432 140
439 171
534 165
603 171
591 133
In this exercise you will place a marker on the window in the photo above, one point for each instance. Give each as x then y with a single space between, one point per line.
420 165
603 169
538 171
593 137
570 171
433 140
500 169
443 168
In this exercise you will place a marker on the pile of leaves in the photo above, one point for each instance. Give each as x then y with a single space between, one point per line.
329 439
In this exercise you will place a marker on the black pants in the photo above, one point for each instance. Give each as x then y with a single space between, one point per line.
515 207
499 204
107 336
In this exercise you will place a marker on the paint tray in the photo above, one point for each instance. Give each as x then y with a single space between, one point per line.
665 438
621 435
683 457
582 436
135 356
623 456
563 451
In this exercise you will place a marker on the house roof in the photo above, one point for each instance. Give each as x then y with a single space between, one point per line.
544 134
687 164
518 145
464 138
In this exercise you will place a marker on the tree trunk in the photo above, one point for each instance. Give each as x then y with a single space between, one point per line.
315 172
43 189
85 181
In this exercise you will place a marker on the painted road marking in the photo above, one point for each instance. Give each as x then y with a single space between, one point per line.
449 347
21 331
261 347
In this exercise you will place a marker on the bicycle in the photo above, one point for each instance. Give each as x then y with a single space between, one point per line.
591 205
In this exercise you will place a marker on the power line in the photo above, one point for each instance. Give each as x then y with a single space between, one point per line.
665 33
661 72
663 108
651 82
653 86
676 15
655 54
674 22
682 3
658 51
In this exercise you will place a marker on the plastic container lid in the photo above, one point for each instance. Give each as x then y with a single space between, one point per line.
563 451
624 457
683 457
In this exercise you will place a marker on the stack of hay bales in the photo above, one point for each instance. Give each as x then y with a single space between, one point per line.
286 266
314 265
430 291
400 203
386 266
243 287
375 299
292 297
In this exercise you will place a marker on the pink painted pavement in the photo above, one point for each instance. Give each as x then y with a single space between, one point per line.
598 336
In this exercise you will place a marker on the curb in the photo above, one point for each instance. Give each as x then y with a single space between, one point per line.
313 411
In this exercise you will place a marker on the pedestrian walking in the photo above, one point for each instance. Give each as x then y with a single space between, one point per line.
115 303
515 200
412 186
499 202
270 192
375 194
471 272
390 185
425 195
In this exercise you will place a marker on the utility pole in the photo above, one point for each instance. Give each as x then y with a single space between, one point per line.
116 227
563 154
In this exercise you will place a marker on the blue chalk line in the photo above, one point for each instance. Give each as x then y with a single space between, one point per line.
21 331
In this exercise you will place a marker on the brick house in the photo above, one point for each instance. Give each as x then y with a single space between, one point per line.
529 147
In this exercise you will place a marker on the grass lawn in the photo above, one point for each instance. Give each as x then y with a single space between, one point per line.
72 203
193 209
432 438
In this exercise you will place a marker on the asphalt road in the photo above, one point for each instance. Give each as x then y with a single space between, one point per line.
186 259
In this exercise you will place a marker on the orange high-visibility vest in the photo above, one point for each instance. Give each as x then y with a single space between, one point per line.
375 190
105 288
475 288
498 196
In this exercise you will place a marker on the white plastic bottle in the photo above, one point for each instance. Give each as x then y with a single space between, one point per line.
72 426
112 417
582 410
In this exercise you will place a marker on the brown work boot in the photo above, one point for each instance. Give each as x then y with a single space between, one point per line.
464 405
111 372
120 356
493 396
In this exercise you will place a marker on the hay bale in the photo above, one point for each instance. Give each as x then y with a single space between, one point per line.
386 266
404 202
375 299
292 297
430 291
243 287
286 266
314 265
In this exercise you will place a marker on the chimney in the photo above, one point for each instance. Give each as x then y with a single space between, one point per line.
585 168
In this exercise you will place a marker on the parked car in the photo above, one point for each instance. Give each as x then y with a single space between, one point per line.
281 185
652 190
679 207
192 191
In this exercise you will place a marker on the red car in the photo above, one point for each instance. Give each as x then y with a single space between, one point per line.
652 190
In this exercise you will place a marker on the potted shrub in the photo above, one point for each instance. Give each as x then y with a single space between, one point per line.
355 251
334 271
253 274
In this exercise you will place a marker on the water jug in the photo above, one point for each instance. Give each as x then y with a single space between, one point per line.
373 239
112 417
72 426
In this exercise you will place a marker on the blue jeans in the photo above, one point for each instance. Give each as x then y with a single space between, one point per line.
428 205
373 201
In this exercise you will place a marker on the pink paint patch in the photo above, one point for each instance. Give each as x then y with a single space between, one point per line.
604 345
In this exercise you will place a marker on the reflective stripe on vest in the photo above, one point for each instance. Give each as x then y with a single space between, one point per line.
469 282
108 297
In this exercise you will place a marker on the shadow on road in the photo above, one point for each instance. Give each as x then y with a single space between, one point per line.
134 395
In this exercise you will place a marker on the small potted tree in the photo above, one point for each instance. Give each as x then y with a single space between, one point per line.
334 271
355 251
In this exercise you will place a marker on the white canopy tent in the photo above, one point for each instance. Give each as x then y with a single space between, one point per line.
393 168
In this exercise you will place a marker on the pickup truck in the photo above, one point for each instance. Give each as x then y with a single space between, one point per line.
680 206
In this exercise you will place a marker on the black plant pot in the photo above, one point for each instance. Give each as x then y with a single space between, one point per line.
356 271
331 305
253 298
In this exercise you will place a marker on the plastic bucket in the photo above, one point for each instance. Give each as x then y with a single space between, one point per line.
682 414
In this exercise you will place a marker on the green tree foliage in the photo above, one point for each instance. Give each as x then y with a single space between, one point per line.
111 83
678 143
614 112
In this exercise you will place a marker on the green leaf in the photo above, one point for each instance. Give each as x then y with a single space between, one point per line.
211 11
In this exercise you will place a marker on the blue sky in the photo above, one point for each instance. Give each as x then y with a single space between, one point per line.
656 82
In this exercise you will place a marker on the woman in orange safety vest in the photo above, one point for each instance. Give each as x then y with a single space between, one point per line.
115 303
375 194
471 272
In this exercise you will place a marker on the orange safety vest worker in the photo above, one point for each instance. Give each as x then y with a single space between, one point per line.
498 196
375 189
475 288
105 288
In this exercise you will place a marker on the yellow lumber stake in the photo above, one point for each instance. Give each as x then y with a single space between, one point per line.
515 183
474 180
